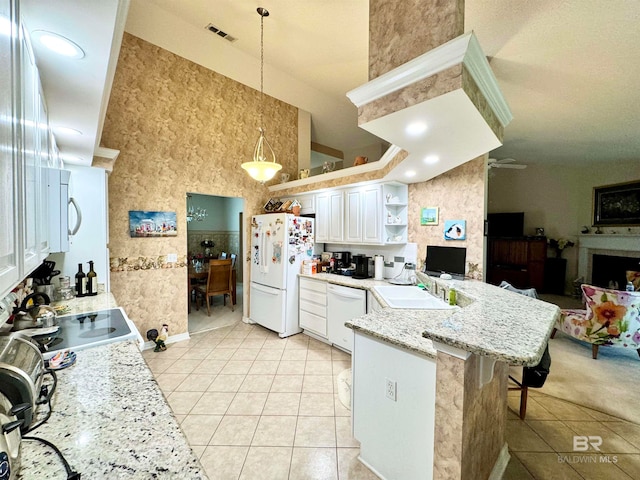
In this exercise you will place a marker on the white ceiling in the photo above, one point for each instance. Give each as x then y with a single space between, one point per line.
569 70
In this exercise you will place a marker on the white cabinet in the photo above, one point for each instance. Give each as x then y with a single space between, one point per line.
25 143
9 193
329 217
307 204
344 304
371 214
30 160
395 197
313 306
363 215
353 216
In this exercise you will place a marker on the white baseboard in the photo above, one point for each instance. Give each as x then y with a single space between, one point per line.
501 463
172 339
248 320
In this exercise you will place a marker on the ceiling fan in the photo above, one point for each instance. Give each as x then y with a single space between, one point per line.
505 163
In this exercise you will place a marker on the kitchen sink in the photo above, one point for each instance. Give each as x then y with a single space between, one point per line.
410 297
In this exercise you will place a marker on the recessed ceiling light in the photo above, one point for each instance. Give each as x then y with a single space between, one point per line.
416 128
410 173
67 131
59 44
431 159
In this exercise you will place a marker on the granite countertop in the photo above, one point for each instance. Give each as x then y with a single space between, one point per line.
102 301
491 321
110 419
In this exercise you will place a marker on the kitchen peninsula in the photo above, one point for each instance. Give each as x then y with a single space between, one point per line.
110 419
430 386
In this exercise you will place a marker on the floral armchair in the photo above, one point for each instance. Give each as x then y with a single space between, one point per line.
612 318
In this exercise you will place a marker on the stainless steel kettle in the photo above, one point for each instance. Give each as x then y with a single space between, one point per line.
36 315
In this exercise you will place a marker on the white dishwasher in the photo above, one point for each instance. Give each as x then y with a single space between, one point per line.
344 303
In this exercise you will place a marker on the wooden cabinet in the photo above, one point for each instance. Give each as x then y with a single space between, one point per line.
519 261
353 216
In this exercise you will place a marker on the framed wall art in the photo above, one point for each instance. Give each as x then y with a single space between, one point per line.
616 205
455 229
429 216
152 224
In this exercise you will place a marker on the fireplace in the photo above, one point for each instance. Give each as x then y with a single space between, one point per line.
609 271
606 258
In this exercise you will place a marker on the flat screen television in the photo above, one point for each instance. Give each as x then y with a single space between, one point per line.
505 224
451 260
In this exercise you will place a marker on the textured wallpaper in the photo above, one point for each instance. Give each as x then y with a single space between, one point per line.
459 195
179 128
401 30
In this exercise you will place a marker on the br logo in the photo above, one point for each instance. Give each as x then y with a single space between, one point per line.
582 443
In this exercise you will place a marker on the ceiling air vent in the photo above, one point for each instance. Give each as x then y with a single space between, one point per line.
213 29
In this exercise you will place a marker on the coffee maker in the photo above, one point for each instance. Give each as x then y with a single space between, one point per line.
362 266
341 260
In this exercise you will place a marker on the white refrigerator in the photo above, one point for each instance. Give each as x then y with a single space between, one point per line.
279 244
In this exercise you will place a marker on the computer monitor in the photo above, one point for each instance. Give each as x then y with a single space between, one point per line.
451 260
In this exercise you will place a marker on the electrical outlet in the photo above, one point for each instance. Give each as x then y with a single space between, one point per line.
391 389
172 257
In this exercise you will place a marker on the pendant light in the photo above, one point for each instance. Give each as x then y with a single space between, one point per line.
264 165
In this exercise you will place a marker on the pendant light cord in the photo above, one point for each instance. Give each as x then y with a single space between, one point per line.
262 15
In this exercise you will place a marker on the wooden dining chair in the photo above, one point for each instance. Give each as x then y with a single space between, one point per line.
218 283
233 257
223 255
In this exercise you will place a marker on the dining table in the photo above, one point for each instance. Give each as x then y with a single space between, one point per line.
200 273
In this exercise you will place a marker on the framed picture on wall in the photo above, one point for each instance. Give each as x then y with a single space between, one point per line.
616 205
152 224
429 216
455 229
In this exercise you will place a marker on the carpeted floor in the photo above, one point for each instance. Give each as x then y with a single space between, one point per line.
608 384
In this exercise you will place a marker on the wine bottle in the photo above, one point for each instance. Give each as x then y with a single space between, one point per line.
81 282
92 281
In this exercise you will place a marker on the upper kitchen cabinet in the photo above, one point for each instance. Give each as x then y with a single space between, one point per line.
395 197
30 149
9 193
25 146
371 214
330 217
363 215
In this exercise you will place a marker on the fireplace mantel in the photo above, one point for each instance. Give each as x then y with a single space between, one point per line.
603 244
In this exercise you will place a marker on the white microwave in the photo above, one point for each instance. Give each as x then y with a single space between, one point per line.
59 203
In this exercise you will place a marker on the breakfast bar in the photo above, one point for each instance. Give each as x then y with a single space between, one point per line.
440 376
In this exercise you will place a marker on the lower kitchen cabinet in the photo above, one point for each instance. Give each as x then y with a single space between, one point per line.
312 315
344 303
324 308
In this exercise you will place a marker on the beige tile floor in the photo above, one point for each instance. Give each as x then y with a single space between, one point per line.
254 406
